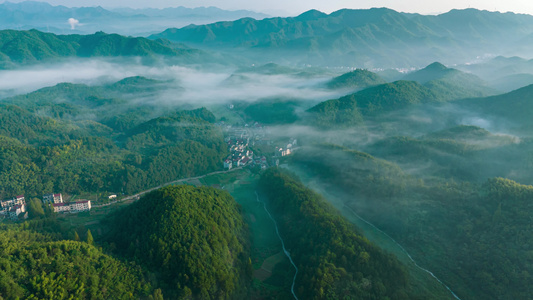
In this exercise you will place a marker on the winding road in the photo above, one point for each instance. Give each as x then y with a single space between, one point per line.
136 197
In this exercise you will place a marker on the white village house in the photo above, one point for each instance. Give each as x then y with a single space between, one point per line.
12 208
52 198
72 207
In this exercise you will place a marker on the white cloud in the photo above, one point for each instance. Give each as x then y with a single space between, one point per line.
73 23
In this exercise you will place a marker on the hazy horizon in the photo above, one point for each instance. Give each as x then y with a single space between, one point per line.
296 7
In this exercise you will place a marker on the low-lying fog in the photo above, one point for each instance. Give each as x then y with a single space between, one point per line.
191 85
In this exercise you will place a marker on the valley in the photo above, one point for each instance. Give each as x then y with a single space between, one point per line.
354 154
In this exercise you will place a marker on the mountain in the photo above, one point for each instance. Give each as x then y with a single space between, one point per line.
376 37
349 110
455 83
513 82
432 72
514 107
26 12
45 17
193 239
432 218
38 266
210 12
495 68
121 143
458 152
316 234
357 79
432 84
29 47
503 73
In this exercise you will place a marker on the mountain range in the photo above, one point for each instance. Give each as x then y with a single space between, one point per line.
45 17
29 47
371 38
432 84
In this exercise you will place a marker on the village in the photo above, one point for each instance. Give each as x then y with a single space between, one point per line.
248 145
251 145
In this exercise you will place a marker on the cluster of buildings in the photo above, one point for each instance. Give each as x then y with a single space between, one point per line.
240 139
56 202
239 155
16 208
280 151
12 208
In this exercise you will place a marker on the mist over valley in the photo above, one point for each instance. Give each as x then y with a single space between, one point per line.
363 153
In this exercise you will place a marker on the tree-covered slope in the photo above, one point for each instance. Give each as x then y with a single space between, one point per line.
376 37
77 138
28 47
350 110
451 83
194 239
333 259
433 84
515 107
472 236
357 79
35 266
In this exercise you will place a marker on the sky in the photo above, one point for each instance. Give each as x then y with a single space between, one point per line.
294 7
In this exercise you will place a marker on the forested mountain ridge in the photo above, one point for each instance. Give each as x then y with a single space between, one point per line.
433 84
451 82
194 239
29 47
350 110
37 266
76 138
375 37
357 79
465 232
333 259
46 17
514 107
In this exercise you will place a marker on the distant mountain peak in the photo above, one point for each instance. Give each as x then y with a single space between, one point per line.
434 71
436 66
312 14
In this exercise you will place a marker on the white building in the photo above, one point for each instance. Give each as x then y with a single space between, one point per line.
15 211
52 198
80 206
73 207
61 207
282 152
6 205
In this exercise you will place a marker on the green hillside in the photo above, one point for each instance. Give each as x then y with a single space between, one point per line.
193 239
376 37
77 138
450 83
333 259
36 266
357 79
464 232
515 107
459 152
433 84
29 47
350 110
